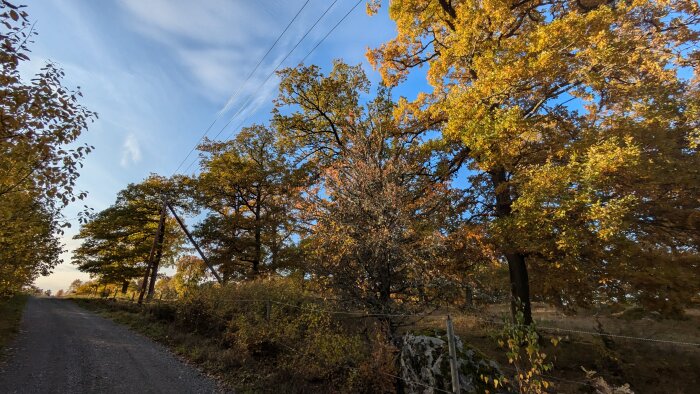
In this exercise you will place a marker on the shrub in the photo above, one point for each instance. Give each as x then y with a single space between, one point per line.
522 344
163 311
274 321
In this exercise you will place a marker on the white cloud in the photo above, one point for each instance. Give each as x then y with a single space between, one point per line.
214 22
131 153
214 69
219 42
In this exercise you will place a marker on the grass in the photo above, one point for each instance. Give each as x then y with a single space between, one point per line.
10 315
649 367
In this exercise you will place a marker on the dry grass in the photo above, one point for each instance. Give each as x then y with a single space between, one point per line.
649 367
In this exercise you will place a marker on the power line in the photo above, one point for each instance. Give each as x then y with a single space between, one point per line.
240 87
283 60
271 73
309 53
331 31
223 110
197 143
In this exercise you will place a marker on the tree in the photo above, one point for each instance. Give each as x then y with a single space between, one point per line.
191 272
248 189
117 241
376 217
74 286
29 245
38 120
573 118
166 288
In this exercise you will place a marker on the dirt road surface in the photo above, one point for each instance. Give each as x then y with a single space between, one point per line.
63 348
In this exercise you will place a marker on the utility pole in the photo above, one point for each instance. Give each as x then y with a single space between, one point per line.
194 243
151 254
159 252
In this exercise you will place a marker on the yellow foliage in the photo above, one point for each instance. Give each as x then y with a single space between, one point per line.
581 126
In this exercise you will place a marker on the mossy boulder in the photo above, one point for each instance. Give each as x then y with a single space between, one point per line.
425 365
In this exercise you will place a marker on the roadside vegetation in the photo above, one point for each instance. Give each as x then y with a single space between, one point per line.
264 334
226 335
11 309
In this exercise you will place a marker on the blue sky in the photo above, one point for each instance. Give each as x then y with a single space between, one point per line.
159 71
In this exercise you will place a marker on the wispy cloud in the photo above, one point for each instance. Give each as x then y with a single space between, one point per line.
131 153
217 42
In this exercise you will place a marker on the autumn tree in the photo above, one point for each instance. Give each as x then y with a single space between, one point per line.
191 272
74 286
577 118
40 120
165 288
376 217
247 188
117 241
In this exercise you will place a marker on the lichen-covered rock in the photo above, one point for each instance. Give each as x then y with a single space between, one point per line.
425 365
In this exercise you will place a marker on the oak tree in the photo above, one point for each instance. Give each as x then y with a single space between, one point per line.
377 231
577 118
248 189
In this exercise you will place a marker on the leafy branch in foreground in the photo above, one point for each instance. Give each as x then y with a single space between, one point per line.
40 120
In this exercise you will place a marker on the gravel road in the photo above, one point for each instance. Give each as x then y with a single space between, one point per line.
63 348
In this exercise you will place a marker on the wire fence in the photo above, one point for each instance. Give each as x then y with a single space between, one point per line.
356 314
359 314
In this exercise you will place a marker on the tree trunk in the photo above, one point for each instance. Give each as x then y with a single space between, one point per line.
385 286
258 251
258 240
159 254
519 286
468 297
517 268
125 286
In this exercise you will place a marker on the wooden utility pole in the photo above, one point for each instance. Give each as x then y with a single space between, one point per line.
159 252
454 366
194 243
151 254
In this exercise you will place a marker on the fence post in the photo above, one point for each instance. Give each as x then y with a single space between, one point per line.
454 369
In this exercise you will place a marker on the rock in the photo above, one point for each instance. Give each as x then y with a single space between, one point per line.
425 365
